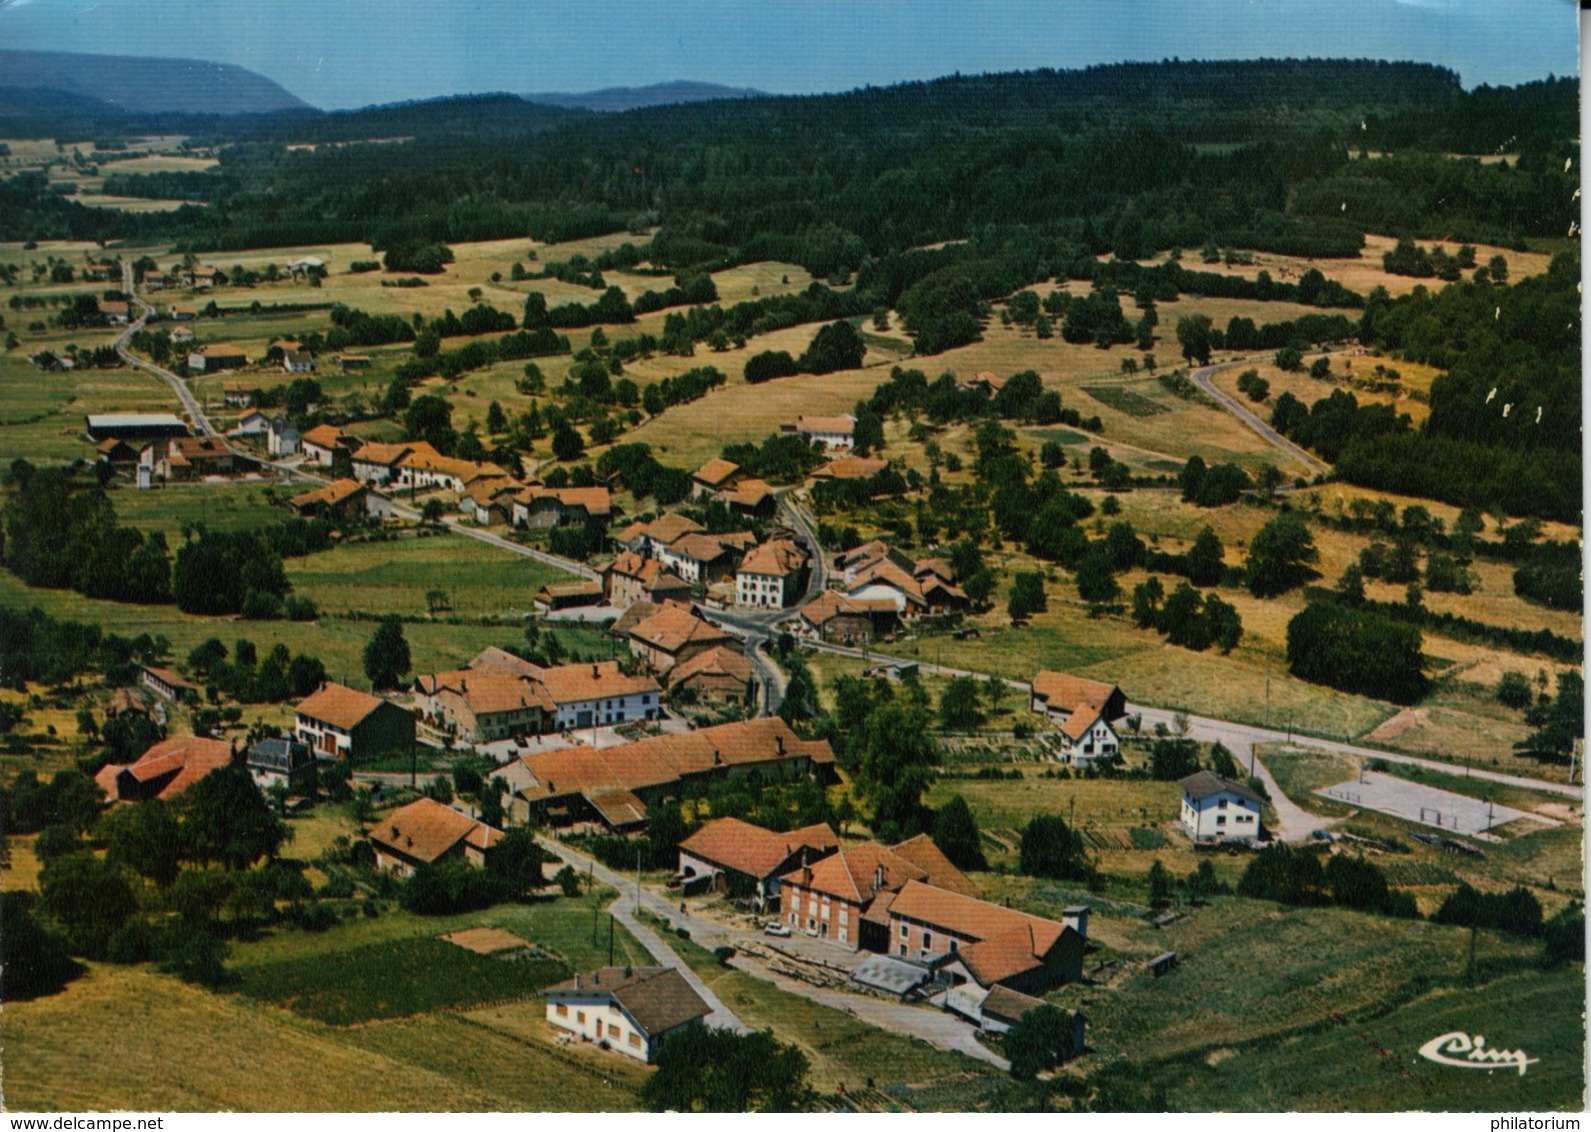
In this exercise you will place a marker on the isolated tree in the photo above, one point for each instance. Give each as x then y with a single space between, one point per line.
1041 1039
1280 556
956 834
1095 582
227 820
566 442
700 1069
1159 881
89 897
1027 596
1206 559
961 705
1193 335
1051 848
1513 690
387 654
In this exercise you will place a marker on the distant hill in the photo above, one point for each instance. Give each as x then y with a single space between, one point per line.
616 99
136 84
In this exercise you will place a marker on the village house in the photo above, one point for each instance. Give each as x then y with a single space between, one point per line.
255 422
628 1009
353 361
165 770
1217 809
326 445
184 313
298 361
180 335
117 453
702 558
539 506
614 788
341 722
493 699
833 617
338 499
994 1010
715 476
425 832
915 592
599 694
219 356
201 277
239 396
772 575
192 457
424 468
836 434
671 635
489 502
630 578
753 498
1085 713
844 899
375 462
281 761
169 685
719 676
156 281
968 939
651 537
746 861
116 311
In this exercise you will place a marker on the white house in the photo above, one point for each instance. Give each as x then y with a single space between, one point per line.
252 423
281 438
1218 809
628 1009
835 434
772 575
599 694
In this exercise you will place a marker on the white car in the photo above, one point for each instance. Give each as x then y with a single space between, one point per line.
777 930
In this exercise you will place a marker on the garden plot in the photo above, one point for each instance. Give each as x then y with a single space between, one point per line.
1425 805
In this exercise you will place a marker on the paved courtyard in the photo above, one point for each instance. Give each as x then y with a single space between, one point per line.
1426 805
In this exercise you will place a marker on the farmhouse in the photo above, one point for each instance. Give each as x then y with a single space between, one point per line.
165 770
489 701
169 685
996 1009
184 312
425 467
115 310
1218 809
671 635
628 1009
425 832
614 787
832 616
751 497
208 359
252 423
341 722
630 578
728 854
181 334
972 940
913 593
845 898
539 506
374 462
340 498
115 452
326 444
588 695
851 468
489 501
699 557
281 761
832 433
772 575
239 396
718 676
190 458
1085 710
715 476
298 361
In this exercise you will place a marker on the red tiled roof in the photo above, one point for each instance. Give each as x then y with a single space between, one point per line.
426 829
664 529
922 852
776 557
671 628
339 705
716 472
186 759
577 683
1071 693
1007 942
745 848
720 661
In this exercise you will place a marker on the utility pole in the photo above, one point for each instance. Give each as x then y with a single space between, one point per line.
637 878
1267 701
610 939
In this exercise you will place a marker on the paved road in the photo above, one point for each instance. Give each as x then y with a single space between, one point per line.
190 403
623 910
1202 378
1244 735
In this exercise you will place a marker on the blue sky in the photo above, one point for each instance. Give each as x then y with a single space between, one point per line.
343 53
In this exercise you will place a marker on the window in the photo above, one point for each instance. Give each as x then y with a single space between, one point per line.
1222 803
903 931
844 936
903 950
635 1041
928 939
954 943
562 1010
580 1016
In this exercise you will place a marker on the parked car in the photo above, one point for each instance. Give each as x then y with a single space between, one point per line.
779 930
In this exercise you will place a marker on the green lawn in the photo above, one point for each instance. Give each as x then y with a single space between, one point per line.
230 506
41 414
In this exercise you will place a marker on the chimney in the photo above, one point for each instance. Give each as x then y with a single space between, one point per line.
596 977
778 742
627 970
577 982
718 760
1076 918
878 877
595 672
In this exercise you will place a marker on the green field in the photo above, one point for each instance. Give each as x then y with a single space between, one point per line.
394 980
41 414
1128 401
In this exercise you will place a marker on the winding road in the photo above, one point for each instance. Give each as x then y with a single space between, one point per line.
1204 376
